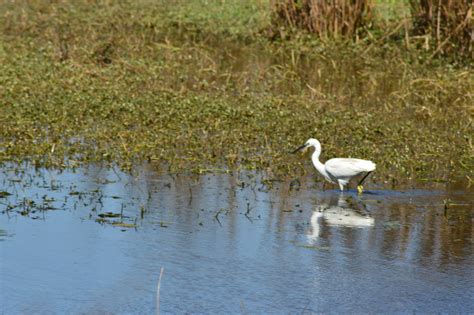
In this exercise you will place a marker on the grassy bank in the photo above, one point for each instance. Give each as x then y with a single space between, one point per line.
195 85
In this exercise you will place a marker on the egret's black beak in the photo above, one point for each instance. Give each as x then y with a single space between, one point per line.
300 148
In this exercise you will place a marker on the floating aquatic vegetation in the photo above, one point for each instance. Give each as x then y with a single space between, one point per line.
109 215
4 194
146 85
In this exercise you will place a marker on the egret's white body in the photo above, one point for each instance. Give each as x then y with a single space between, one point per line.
338 170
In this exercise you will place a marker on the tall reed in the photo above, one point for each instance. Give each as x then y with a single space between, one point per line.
326 18
448 23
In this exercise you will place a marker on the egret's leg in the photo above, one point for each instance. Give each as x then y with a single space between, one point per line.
360 188
341 186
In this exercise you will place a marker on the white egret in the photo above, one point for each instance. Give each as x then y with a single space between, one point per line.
339 170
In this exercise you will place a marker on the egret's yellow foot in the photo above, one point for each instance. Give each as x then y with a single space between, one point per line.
360 189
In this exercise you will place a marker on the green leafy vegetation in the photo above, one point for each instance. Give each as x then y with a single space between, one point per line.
197 85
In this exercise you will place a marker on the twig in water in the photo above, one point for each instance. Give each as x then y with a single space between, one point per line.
190 195
446 207
217 216
158 291
247 212
116 173
242 307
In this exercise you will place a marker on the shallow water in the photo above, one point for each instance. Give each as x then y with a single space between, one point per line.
229 244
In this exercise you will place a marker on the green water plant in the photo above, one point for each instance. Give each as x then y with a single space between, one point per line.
125 82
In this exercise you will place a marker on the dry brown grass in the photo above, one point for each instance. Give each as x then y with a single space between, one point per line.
448 23
326 18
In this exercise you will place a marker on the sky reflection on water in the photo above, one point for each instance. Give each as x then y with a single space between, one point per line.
228 243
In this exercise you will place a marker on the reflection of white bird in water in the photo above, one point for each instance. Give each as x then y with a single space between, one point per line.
315 224
339 170
338 215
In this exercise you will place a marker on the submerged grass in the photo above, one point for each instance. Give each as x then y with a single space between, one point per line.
195 85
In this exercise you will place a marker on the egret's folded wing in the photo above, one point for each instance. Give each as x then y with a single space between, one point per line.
341 168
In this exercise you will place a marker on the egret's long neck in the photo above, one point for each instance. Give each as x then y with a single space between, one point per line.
315 158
